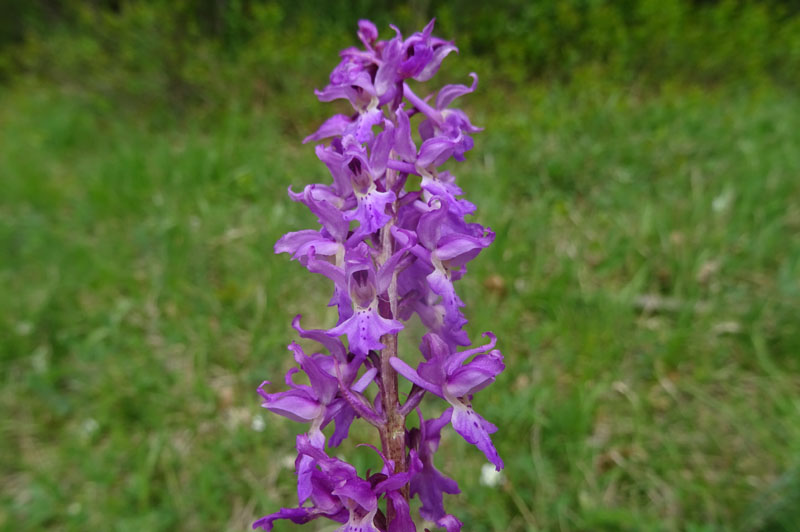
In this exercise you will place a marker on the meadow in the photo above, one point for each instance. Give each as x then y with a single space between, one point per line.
644 286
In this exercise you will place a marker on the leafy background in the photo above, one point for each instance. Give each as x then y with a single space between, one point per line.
640 166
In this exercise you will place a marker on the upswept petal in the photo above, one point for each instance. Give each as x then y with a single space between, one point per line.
297 405
333 345
458 249
448 93
335 125
441 50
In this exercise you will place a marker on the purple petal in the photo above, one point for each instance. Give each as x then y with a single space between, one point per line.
323 267
371 210
443 286
324 203
436 150
386 75
333 345
364 329
474 376
430 485
473 428
304 466
299 242
409 373
459 249
449 523
323 383
448 93
295 515
439 53
336 165
418 60
402 521
403 143
380 151
406 240
430 223
332 127
360 491
449 191
433 346
362 129
455 361
297 405
365 380
343 421
367 32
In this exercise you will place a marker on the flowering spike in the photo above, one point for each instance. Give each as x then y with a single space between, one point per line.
390 251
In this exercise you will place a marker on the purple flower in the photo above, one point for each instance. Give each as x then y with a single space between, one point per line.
390 250
445 374
429 484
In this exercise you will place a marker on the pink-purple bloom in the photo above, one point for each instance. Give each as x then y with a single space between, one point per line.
391 251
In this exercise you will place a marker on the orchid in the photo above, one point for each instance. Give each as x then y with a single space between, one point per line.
390 251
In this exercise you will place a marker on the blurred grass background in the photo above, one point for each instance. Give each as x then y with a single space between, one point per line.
640 165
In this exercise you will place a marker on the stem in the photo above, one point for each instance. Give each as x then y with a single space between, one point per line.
393 432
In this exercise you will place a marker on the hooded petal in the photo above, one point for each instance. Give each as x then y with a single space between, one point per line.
324 384
458 249
297 405
298 243
367 32
436 150
449 523
476 375
440 51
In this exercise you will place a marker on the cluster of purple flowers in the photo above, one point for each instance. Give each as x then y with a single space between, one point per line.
391 252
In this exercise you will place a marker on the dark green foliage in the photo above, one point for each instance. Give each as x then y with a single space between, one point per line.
175 53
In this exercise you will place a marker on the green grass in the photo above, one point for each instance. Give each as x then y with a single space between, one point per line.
644 286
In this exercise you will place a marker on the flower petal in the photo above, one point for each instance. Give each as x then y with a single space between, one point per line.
409 373
473 428
364 329
333 126
448 93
